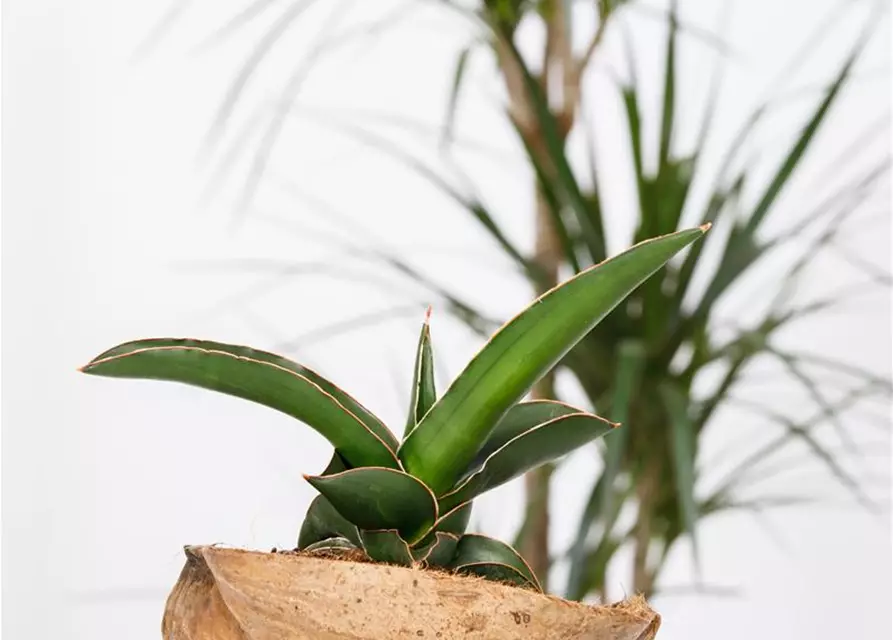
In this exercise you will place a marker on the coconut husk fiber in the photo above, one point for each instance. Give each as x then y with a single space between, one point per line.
230 594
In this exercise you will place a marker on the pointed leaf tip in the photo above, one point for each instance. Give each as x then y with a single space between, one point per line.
428 314
706 227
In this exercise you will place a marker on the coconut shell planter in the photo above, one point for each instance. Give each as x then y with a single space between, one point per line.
383 551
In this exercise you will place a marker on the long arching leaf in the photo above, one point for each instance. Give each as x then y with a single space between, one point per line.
265 378
527 451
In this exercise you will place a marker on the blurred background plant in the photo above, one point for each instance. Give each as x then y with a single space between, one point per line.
705 350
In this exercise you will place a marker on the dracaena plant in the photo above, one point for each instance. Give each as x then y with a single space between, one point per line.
408 501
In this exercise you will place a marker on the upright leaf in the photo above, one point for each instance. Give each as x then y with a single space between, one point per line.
424 393
601 507
683 441
265 378
519 354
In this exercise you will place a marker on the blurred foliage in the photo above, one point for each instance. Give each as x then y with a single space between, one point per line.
663 363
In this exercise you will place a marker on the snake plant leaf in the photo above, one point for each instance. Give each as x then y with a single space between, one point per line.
387 546
521 418
540 444
492 559
331 544
441 551
445 442
424 392
454 521
322 522
265 378
375 498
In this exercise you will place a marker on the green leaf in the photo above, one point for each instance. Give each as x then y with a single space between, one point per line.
542 443
492 559
331 544
521 418
424 392
377 498
798 150
322 522
684 441
441 551
603 505
454 521
278 383
386 545
519 354
453 102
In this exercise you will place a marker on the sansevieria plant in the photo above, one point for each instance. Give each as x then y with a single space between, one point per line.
408 501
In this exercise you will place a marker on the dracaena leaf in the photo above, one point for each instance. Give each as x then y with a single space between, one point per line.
424 392
378 498
490 558
265 378
387 546
446 441
322 522
540 444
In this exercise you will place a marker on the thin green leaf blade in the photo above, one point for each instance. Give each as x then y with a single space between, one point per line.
260 377
424 391
602 505
387 546
487 557
684 441
529 450
378 498
520 353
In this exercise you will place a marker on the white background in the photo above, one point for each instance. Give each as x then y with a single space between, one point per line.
104 480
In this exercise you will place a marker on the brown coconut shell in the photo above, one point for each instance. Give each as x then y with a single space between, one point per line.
230 594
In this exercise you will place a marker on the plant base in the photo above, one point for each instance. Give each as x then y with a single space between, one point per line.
229 594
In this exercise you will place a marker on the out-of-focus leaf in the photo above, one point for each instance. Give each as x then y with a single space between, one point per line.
265 378
453 101
424 392
601 507
377 498
684 443
783 176
386 546
492 559
542 443
448 438
565 183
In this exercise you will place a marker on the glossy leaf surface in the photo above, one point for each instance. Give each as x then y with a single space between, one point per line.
376 498
261 377
522 351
